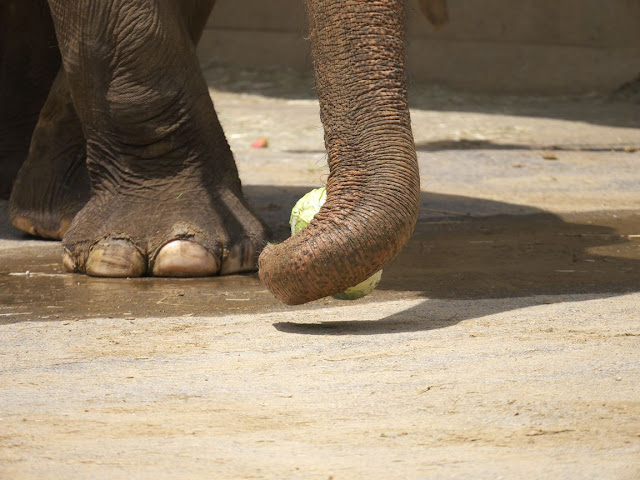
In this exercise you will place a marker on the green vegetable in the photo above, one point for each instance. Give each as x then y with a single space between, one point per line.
306 208
302 214
362 289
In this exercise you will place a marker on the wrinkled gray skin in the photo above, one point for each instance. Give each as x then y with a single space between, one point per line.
128 133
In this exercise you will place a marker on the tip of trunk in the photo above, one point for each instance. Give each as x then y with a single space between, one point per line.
336 251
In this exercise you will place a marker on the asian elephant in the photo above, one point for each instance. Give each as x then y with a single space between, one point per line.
160 193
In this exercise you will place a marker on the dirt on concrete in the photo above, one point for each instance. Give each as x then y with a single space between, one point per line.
502 343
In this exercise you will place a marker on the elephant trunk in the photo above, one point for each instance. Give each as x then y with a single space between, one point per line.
373 190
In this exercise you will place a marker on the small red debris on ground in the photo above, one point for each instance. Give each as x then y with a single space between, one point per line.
260 142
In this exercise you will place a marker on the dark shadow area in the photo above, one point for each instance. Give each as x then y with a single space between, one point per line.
7 232
468 258
506 256
436 146
400 323
276 82
441 145
628 92
430 314
617 109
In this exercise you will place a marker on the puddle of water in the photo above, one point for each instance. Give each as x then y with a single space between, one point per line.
37 286
494 257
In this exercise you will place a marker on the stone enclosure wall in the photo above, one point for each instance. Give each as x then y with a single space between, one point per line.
542 46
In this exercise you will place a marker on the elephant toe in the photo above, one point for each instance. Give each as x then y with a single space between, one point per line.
242 257
24 224
183 258
115 236
112 258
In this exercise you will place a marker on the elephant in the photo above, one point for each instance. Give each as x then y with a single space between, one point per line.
129 166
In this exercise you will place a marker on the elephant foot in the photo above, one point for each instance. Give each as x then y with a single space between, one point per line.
53 183
184 234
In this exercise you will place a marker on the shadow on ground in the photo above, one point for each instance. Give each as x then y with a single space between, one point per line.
465 258
469 263
479 145
440 145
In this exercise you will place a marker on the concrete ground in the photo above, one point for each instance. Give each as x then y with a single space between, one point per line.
502 343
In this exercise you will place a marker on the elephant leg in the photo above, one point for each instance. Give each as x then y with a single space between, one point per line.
166 198
29 60
53 184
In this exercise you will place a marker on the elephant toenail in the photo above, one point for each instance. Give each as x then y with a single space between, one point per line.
24 224
241 258
182 258
115 258
40 229
68 263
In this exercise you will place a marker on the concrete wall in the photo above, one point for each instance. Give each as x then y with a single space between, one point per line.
550 46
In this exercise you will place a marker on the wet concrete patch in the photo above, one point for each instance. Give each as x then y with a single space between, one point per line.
44 292
450 256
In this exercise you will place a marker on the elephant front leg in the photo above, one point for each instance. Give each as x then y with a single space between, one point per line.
166 197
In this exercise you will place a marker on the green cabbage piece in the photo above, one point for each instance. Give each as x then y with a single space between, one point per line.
306 208
301 215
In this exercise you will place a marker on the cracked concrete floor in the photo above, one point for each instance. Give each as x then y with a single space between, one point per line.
503 342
